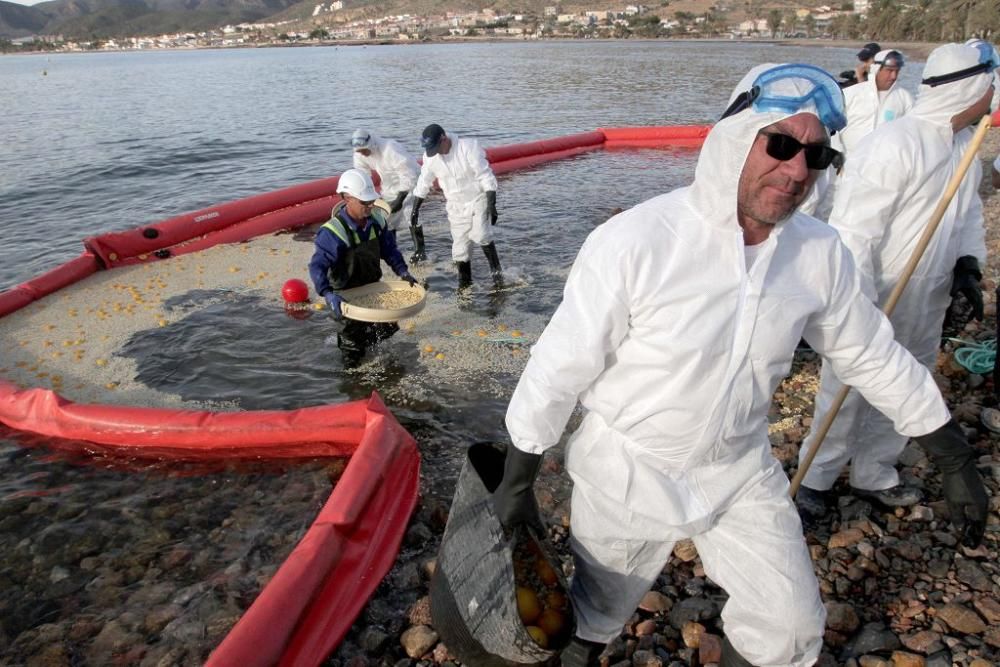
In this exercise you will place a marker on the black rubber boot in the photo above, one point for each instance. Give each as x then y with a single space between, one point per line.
464 274
417 234
581 653
731 657
490 250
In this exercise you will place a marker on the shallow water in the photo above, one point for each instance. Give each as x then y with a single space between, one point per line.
105 142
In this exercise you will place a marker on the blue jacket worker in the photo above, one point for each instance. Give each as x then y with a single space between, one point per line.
349 250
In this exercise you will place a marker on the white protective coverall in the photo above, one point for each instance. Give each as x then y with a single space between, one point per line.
866 108
464 176
675 349
888 192
397 170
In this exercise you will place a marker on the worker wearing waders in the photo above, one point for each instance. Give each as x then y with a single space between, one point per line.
679 318
349 248
470 188
397 171
889 189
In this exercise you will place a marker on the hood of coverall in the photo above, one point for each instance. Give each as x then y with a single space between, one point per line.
877 65
725 151
995 103
939 103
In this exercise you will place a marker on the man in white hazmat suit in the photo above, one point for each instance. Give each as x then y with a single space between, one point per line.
870 103
397 170
676 359
887 194
470 188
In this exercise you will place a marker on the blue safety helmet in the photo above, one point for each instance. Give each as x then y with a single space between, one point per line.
989 60
765 95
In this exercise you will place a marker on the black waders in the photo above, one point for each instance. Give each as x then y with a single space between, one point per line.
464 274
417 234
490 250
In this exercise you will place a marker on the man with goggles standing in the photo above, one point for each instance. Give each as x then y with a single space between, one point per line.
676 360
885 198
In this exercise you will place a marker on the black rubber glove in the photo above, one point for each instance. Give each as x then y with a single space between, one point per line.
965 281
397 203
514 499
417 201
963 488
491 206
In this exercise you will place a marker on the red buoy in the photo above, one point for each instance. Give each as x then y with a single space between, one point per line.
295 291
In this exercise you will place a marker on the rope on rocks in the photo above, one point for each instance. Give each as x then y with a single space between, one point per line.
976 357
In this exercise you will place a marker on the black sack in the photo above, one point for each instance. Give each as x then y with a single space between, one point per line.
473 590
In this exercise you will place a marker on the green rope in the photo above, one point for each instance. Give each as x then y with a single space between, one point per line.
976 358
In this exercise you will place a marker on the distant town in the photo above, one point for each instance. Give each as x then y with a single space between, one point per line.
329 24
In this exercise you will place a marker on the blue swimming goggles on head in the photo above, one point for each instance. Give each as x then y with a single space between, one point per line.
766 95
989 60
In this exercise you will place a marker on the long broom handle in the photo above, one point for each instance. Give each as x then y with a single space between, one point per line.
897 291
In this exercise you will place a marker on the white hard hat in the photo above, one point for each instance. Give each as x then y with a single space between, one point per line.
361 139
358 184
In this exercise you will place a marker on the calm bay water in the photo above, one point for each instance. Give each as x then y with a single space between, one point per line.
100 142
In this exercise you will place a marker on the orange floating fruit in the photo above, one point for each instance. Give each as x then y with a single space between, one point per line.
527 605
538 635
551 622
545 572
555 600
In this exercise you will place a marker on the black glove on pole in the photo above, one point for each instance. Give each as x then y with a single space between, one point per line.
417 201
963 488
965 281
514 499
397 203
491 206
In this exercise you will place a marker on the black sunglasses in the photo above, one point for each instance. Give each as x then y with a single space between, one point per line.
818 156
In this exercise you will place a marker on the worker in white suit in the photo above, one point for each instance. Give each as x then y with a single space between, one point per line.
470 189
675 359
886 197
868 104
397 171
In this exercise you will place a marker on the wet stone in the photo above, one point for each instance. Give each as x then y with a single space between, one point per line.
692 609
873 661
655 602
873 638
372 640
961 619
710 648
685 551
969 572
841 617
418 640
420 612
691 634
989 608
904 659
845 538
646 659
